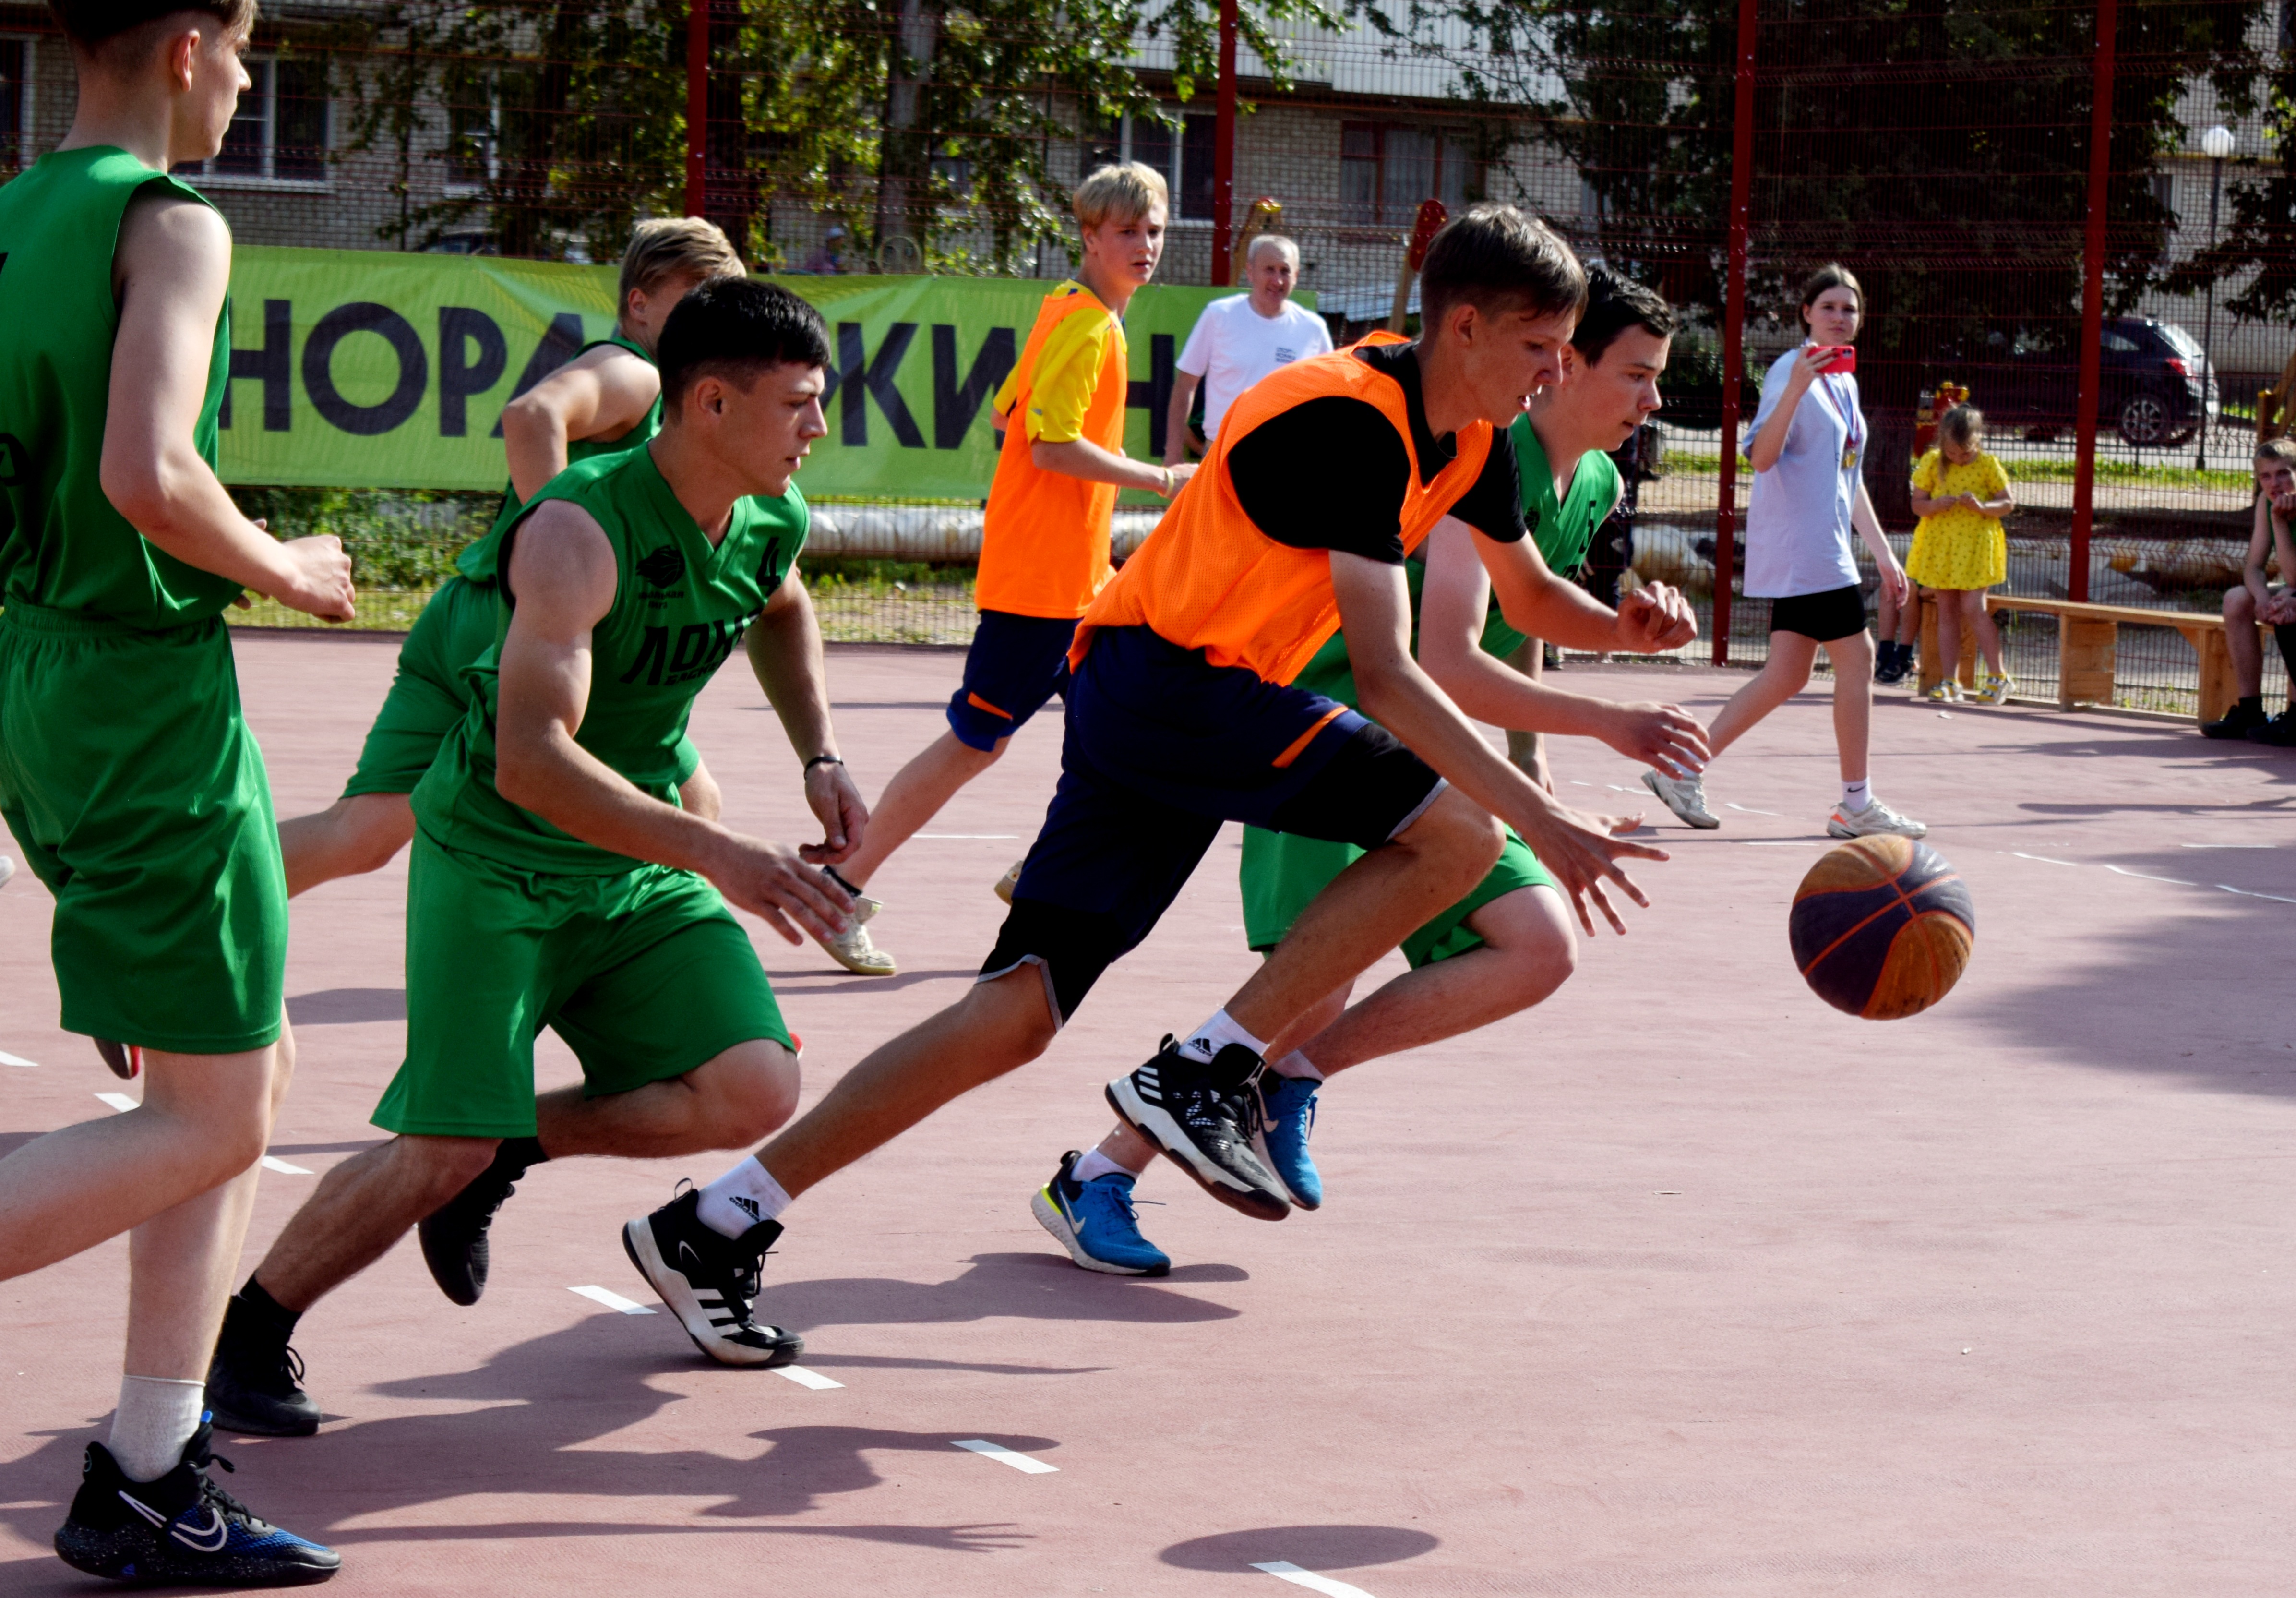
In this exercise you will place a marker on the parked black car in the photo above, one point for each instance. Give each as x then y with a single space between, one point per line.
2155 384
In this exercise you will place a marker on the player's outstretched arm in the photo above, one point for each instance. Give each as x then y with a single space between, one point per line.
1452 608
785 646
599 395
563 571
1374 612
172 270
1535 601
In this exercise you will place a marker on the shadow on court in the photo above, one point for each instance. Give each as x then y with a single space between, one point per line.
347 1006
1310 1547
1025 1286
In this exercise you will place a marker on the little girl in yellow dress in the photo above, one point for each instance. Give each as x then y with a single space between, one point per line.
1961 493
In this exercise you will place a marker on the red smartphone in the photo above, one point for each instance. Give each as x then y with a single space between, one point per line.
1836 358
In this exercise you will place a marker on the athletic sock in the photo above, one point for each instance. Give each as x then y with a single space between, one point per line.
2255 701
1857 795
1215 1035
269 1311
1095 1164
838 877
156 1417
741 1197
1296 1064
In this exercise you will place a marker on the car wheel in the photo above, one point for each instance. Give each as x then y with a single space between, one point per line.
2144 419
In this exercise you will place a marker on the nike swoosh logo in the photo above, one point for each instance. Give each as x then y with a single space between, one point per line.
208 1541
143 1509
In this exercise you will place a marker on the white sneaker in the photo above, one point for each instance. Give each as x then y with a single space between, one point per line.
853 949
1996 692
1874 821
1005 885
7 869
1686 797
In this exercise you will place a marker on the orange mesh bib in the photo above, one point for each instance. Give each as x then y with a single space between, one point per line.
1044 538
1208 578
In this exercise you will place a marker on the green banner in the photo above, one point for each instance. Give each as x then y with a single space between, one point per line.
370 369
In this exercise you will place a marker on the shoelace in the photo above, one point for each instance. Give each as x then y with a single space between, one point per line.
212 1493
290 1371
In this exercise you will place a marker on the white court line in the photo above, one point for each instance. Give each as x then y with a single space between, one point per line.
2044 859
2249 893
118 1101
2227 845
1310 1579
28 1065
2119 871
1004 1456
612 1300
992 837
1747 809
815 1380
272 1162
1777 843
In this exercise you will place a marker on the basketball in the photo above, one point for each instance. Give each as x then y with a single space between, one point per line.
1882 928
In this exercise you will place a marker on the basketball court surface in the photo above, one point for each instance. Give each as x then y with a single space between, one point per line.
1681 1284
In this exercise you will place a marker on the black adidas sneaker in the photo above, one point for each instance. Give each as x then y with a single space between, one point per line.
454 1237
1203 1117
255 1381
710 1281
182 1528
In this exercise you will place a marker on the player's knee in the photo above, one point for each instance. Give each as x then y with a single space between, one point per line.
1015 1019
751 1094
1459 832
2239 606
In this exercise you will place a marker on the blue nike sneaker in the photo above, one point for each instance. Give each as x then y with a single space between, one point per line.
1095 1222
1287 1115
182 1529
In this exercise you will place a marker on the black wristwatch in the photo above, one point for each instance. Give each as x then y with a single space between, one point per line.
822 760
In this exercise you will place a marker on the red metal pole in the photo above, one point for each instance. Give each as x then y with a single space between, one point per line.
697 104
1224 151
2100 180
1733 326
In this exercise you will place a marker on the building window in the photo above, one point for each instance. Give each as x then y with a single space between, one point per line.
1183 155
1386 170
15 101
473 136
280 133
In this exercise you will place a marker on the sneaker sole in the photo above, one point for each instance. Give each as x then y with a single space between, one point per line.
1049 1217
115 1555
235 1422
1834 829
1160 1129
676 1293
890 969
1702 821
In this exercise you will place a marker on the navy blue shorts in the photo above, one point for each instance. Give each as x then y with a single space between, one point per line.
1016 663
1161 749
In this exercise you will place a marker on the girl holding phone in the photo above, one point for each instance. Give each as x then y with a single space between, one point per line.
1808 502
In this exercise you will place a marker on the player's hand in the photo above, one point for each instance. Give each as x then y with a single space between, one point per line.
1894 579
320 584
1583 854
773 883
1667 737
2279 610
1655 617
2286 504
1181 473
836 804
1806 370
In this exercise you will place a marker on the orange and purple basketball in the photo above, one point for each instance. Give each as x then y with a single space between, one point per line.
1882 928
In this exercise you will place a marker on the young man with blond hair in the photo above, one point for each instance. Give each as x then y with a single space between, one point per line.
1184 713
606 399
1045 539
126 772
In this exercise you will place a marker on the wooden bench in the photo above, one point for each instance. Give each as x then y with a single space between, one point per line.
2088 636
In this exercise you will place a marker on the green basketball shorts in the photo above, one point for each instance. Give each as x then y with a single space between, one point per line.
138 795
429 695
1282 872
645 975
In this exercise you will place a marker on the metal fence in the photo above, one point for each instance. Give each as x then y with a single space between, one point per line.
2086 213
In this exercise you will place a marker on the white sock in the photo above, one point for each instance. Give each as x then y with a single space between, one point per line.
1296 1064
156 1417
741 1197
1217 1034
1857 795
1096 1164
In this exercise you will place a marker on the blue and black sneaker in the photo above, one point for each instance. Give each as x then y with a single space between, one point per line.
1095 1222
182 1529
1287 1115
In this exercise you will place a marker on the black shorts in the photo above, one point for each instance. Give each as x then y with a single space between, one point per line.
1161 749
1015 665
1836 613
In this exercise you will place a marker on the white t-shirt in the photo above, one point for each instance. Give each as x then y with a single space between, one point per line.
1798 529
1233 347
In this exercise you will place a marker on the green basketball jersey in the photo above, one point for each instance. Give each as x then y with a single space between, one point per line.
680 608
63 546
1563 533
478 562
